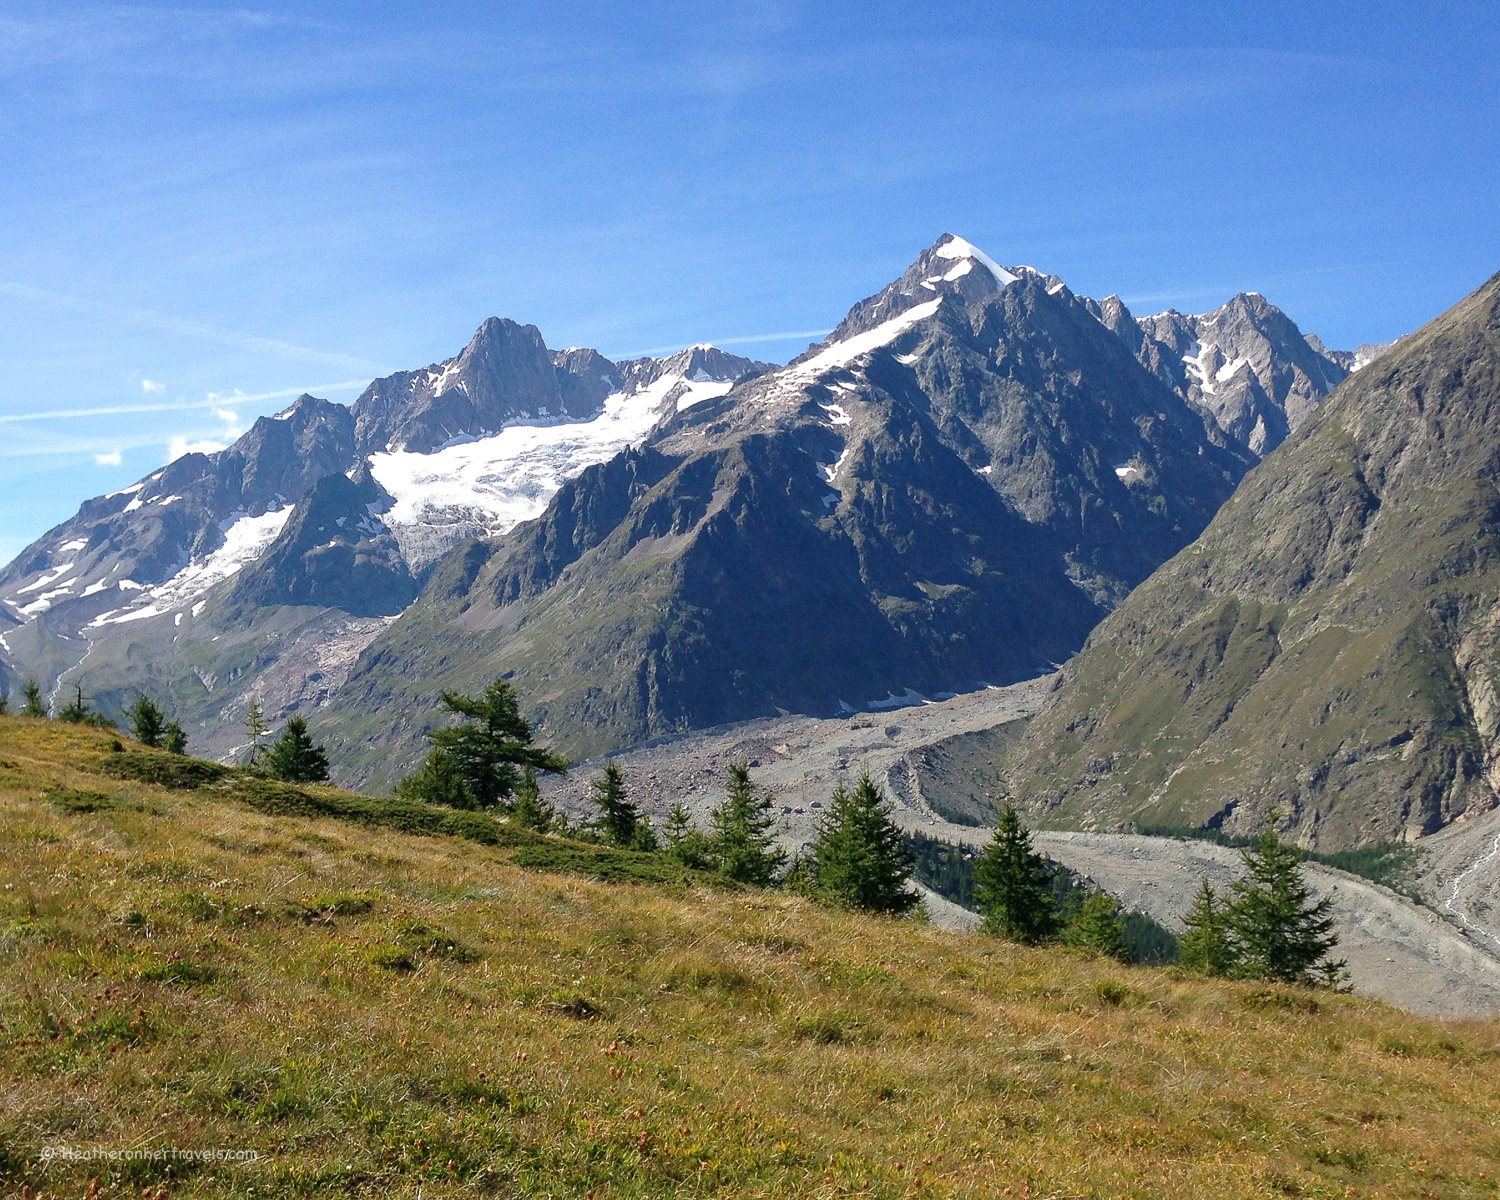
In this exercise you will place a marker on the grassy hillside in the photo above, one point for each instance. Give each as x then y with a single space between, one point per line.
381 1012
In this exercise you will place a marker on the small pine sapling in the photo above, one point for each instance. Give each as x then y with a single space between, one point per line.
1013 885
1099 928
1205 946
860 859
174 740
742 844
147 721
295 758
31 694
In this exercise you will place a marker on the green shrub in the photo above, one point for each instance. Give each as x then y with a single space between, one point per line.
165 770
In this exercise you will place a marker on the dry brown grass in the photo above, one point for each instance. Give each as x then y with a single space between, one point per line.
388 1014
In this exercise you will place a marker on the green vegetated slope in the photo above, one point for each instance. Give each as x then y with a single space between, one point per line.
375 1003
1328 647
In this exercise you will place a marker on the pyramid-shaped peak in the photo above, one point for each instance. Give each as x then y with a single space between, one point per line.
951 266
951 246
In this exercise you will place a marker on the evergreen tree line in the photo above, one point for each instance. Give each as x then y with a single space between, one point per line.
1269 927
488 761
292 757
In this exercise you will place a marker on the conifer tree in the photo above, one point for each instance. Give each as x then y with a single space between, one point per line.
1099 928
689 846
32 695
256 727
1278 930
1205 946
859 858
1013 885
4 706
742 845
174 740
294 757
529 810
436 781
620 821
147 721
487 752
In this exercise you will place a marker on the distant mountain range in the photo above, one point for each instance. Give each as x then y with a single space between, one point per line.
952 489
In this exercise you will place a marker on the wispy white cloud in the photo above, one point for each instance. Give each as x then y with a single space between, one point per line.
166 323
179 446
150 385
102 410
111 459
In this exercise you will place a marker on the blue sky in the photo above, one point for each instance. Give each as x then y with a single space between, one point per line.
206 210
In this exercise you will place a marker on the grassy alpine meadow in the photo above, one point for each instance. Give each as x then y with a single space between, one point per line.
358 999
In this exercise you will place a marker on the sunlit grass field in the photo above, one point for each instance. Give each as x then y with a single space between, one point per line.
385 1013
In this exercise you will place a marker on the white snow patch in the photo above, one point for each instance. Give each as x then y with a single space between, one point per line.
830 470
119 618
94 589
987 470
958 248
130 491
836 414
45 580
77 544
841 354
1228 369
441 381
965 265
1198 373
133 505
905 700
130 585
510 476
177 620
703 389
1129 473
199 607
245 539
906 360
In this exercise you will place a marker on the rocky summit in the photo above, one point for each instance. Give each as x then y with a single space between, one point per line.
951 490
1327 649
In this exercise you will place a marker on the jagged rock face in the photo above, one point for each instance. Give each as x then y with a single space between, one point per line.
1246 363
585 378
953 500
696 364
504 375
1328 648
333 552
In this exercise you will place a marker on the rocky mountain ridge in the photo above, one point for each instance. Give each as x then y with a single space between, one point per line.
1327 649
